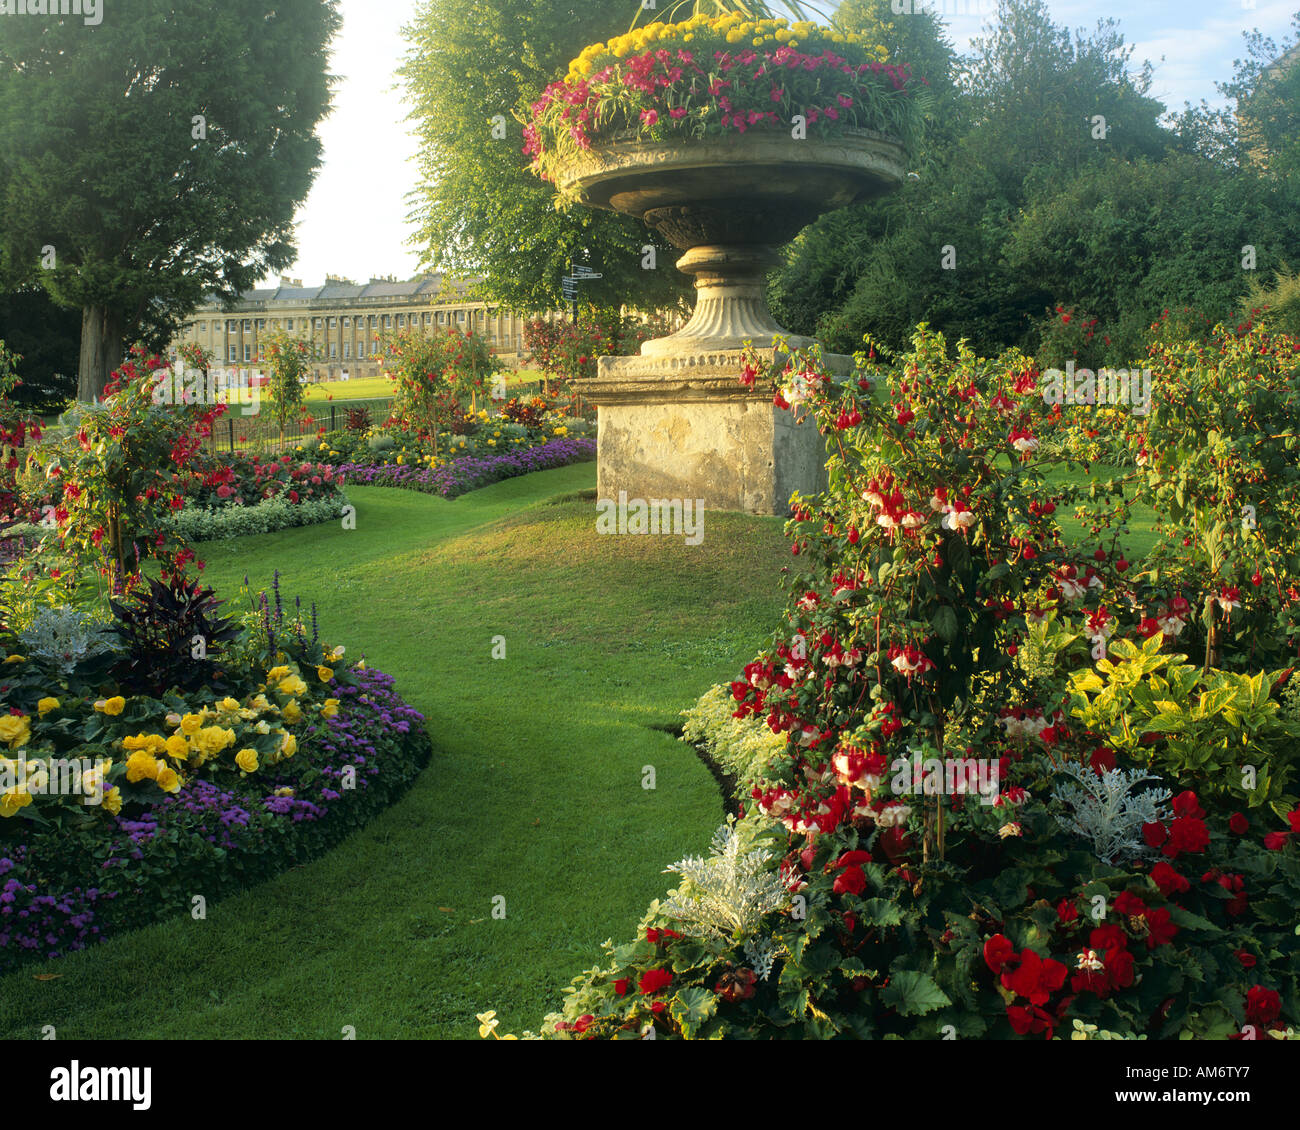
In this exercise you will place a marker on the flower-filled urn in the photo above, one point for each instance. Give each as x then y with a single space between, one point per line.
727 136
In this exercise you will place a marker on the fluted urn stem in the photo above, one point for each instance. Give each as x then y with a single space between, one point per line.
731 306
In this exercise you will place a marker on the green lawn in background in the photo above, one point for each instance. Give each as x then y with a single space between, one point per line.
534 792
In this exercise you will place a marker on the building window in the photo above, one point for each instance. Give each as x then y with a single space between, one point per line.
248 352
347 323
333 323
388 320
233 355
442 316
288 323
261 323
401 321
460 315
361 349
347 351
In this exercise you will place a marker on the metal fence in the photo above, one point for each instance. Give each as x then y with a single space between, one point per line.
260 434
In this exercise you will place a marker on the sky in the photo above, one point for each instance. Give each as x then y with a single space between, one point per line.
354 222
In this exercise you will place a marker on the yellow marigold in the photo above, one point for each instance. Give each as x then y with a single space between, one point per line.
325 674
111 706
112 803
46 705
168 779
292 712
246 759
12 800
292 685
15 729
140 766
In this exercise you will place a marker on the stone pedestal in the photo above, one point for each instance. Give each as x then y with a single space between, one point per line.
675 422
683 426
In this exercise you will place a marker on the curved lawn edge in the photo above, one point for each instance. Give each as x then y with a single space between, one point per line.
472 471
252 838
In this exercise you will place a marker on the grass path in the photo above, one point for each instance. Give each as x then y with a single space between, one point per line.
535 789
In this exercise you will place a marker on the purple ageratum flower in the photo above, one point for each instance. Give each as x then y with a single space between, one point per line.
473 471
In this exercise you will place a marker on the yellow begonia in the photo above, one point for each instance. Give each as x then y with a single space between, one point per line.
292 712
151 743
325 674
15 729
111 706
230 705
112 803
246 759
330 708
12 800
288 745
140 766
176 746
46 705
168 779
292 685
191 724
276 673
16 659
211 740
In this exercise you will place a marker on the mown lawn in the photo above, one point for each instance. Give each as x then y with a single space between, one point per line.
368 388
534 793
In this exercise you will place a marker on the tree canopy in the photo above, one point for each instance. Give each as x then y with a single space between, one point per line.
156 158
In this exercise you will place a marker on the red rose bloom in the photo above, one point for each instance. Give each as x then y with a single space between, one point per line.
1246 958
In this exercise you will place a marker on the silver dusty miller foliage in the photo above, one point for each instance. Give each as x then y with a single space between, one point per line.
727 895
1107 810
62 637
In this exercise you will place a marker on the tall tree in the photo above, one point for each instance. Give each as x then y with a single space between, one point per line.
478 209
157 157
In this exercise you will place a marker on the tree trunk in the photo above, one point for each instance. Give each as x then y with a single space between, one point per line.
101 351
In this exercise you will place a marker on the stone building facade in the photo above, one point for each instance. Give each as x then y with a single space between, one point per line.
347 321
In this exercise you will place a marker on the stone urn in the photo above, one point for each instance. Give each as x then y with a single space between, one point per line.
675 422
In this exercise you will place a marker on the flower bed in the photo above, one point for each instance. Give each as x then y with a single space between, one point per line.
1004 802
517 428
130 781
471 472
716 75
